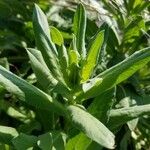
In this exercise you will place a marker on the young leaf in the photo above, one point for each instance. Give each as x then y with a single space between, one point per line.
92 127
57 37
73 67
73 57
79 29
7 134
92 56
118 73
79 142
28 93
44 43
73 45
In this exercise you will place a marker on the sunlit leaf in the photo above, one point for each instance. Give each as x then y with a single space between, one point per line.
92 127
79 29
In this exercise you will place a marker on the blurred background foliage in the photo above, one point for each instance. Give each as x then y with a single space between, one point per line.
128 30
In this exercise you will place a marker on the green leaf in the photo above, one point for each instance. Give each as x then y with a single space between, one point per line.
91 83
4 62
40 69
41 30
73 57
73 67
44 43
118 73
64 61
28 93
73 45
79 28
12 111
92 56
52 140
133 29
102 104
79 142
128 102
92 127
57 37
123 115
24 142
7 134
43 74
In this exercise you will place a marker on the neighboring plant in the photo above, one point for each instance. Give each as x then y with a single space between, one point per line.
70 94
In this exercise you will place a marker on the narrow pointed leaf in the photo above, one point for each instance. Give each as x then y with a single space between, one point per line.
73 45
79 29
92 127
41 30
44 42
28 93
118 73
64 61
129 101
92 56
123 115
41 71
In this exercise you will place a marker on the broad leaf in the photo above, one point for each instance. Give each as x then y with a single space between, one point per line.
52 140
118 73
92 127
92 56
79 27
24 142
